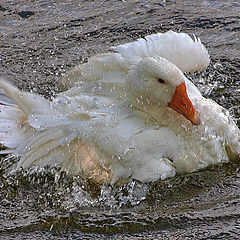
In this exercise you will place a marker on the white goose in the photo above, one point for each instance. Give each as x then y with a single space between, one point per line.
131 114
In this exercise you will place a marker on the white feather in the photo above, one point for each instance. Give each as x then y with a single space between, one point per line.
179 48
188 54
116 123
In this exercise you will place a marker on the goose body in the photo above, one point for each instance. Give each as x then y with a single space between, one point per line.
129 114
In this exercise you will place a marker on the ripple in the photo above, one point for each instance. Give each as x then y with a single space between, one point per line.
53 36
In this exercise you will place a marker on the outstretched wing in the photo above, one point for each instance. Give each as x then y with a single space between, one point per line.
41 132
188 54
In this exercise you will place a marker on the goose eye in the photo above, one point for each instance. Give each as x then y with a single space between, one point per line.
161 81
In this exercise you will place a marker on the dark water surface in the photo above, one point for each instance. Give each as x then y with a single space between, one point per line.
39 41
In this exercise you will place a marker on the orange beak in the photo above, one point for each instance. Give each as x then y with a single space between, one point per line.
182 104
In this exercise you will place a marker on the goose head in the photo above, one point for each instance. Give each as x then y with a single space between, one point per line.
158 82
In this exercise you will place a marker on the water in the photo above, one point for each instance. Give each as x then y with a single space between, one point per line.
40 40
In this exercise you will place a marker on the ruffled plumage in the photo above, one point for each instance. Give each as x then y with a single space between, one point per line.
107 129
